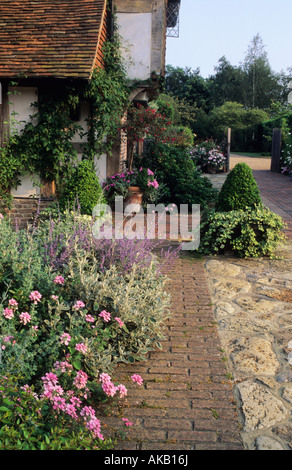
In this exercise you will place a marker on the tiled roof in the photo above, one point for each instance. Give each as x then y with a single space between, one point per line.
51 38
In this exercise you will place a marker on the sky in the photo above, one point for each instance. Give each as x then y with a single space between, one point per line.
210 29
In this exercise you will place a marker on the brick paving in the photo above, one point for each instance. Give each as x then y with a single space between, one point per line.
276 193
186 400
275 188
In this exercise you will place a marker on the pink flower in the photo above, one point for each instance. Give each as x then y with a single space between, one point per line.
1 216
89 318
81 379
8 313
105 315
50 378
150 173
59 280
127 422
54 297
81 347
65 339
94 426
119 321
108 387
35 296
87 411
137 378
105 377
122 390
13 303
25 317
79 304
63 366
8 338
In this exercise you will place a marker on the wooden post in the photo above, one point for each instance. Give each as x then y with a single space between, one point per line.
276 150
4 115
228 144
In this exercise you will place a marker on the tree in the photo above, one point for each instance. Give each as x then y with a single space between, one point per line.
230 114
260 85
226 83
187 84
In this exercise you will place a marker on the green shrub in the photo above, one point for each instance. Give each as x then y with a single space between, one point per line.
83 186
239 190
250 233
119 277
29 422
176 171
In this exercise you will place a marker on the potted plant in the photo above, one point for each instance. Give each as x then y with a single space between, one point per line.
131 185
208 156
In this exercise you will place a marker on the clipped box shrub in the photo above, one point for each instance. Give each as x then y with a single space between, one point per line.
83 186
250 233
239 190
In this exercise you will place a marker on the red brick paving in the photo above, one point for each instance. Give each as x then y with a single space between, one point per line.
276 191
186 400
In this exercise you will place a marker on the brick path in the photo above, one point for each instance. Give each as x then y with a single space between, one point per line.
275 188
186 402
276 193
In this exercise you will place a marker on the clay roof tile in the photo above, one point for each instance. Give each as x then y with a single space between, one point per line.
51 38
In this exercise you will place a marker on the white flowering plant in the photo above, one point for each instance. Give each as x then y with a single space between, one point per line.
208 153
286 166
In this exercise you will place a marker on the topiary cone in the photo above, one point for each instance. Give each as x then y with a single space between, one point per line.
239 190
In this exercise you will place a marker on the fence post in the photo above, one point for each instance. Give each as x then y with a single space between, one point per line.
276 150
228 144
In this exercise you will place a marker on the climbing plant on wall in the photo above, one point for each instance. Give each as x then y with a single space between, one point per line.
44 147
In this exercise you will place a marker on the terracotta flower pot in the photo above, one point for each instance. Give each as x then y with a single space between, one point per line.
135 196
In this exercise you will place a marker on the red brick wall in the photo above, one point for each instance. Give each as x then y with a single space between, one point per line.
24 209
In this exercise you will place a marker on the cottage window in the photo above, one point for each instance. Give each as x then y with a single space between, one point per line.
172 18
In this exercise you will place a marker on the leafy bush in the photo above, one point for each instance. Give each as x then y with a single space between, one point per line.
83 185
72 307
239 190
174 168
30 421
250 233
61 258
